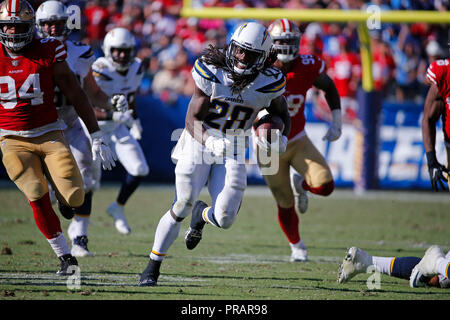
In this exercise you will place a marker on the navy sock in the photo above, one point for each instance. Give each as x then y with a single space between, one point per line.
86 207
128 187
403 267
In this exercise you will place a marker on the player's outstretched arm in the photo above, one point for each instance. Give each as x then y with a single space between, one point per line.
433 109
326 84
69 86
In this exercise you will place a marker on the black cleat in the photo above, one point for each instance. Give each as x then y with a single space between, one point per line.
149 278
67 261
194 233
66 211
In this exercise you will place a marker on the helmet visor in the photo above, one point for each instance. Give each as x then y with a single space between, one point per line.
122 56
244 58
54 28
15 35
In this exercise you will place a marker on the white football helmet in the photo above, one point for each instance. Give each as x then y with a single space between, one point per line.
21 15
253 39
50 11
120 38
288 34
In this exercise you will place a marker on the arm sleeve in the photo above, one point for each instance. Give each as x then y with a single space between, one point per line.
59 51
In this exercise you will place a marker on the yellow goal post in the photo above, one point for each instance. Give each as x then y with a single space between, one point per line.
367 19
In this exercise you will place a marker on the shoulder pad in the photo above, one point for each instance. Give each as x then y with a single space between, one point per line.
100 64
98 71
87 54
277 81
204 71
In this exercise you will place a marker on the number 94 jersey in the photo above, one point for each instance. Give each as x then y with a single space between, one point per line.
27 89
229 112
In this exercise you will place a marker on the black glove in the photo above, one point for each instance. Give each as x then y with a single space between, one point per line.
436 171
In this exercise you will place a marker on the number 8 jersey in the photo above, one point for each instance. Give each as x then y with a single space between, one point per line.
27 105
229 112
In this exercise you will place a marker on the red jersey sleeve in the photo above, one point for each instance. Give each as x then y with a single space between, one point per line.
437 74
59 51
318 66
434 73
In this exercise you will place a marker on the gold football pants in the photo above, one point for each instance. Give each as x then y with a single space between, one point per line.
304 157
27 160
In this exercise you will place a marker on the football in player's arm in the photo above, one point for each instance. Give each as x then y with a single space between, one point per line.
436 107
30 131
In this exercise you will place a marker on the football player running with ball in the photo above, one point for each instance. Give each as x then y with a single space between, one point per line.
51 22
437 105
31 137
302 166
232 86
120 71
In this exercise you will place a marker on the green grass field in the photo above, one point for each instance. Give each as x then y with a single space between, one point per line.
249 261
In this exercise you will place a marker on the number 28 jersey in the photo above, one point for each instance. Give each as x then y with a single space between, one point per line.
439 74
229 112
27 105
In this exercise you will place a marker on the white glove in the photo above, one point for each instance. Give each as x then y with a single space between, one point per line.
335 130
136 129
101 151
278 144
217 146
123 117
119 102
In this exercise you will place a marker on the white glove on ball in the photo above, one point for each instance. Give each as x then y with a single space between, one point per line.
102 152
119 102
335 130
217 146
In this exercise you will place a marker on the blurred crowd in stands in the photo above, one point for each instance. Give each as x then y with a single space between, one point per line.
168 44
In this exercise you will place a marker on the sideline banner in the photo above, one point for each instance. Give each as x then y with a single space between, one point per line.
401 161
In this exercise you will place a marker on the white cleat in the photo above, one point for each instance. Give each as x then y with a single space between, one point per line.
120 222
426 268
356 261
299 253
79 247
301 197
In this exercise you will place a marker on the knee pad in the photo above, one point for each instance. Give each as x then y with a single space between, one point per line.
182 208
34 190
75 198
86 207
225 219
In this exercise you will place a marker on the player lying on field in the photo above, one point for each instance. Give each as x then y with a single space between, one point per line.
431 270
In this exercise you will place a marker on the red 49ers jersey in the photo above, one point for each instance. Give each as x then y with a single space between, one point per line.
439 74
299 81
27 87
